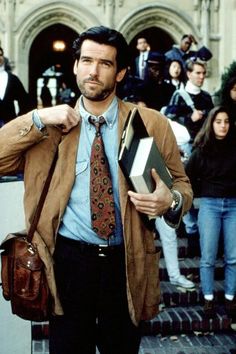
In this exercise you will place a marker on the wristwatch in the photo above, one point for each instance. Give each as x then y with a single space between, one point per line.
176 200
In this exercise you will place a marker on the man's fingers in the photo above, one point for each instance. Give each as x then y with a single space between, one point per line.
63 115
155 175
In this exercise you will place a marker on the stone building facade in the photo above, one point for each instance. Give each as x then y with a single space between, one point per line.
26 25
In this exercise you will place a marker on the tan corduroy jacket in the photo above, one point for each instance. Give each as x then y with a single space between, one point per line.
23 145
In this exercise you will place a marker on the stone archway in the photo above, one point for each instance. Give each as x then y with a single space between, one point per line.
160 23
40 18
174 22
43 56
158 39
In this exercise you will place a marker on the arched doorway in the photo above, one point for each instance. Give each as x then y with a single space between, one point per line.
44 57
158 39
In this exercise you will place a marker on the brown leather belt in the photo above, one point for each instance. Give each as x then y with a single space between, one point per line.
91 248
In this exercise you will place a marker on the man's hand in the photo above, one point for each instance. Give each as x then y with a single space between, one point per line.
196 115
63 115
192 38
156 203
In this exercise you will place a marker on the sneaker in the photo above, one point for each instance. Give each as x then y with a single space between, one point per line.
182 281
230 307
209 308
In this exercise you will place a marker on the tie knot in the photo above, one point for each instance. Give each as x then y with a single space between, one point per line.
97 123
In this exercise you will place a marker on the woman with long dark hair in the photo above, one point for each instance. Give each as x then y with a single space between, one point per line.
212 172
176 74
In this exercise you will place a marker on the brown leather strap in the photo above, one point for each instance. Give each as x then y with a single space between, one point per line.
41 200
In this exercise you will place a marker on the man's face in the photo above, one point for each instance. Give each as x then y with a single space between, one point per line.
142 44
155 71
1 58
197 76
185 44
96 70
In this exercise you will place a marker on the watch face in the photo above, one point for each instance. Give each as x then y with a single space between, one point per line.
175 202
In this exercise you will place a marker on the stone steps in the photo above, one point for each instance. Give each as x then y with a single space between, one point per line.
179 319
172 295
182 309
181 314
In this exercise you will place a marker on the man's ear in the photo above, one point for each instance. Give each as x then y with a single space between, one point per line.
75 67
120 75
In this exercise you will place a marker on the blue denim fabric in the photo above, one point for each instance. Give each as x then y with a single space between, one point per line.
190 220
214 214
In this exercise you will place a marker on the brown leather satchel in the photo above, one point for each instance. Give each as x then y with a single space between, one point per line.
24 281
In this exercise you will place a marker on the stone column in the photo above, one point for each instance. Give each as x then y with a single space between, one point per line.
10 6
205 21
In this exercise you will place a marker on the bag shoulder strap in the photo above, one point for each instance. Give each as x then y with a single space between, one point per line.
41 200
187 98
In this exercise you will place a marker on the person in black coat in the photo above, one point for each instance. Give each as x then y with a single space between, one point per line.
140 65
156 92
12 93
228 97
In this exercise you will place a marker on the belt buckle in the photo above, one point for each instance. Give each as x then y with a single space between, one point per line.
101 250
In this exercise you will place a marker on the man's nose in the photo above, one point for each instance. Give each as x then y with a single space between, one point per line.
94 69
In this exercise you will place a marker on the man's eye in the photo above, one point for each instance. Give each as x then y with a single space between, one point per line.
86 60
105 64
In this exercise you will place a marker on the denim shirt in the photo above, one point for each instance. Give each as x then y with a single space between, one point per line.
76 222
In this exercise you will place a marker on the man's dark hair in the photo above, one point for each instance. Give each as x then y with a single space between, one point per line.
1 50
108 36
184 36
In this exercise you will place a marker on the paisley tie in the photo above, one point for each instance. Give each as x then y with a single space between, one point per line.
101 192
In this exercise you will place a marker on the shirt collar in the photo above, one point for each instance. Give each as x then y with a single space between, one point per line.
191 88
109 115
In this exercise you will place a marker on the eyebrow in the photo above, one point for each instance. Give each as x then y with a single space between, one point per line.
102 60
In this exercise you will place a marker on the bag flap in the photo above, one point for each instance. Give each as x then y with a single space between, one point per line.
10 236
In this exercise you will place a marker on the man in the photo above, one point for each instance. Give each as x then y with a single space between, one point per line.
183 52
141 59
12 92
156 92
190 107
46 96
104 286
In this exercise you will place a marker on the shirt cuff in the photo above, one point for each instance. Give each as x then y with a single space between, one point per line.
37 121
173 217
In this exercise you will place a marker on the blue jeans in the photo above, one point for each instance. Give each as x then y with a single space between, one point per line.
216 214
169 245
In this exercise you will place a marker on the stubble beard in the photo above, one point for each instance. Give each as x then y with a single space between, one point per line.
99 94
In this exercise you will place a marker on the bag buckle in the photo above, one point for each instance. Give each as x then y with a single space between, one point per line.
31 249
